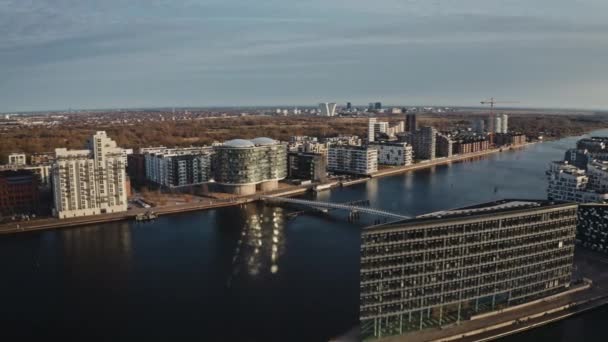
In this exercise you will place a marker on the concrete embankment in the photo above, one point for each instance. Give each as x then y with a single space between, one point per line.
498 324
534 321
442 161
52 223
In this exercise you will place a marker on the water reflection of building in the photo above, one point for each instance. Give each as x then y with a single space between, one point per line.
89 250
261 241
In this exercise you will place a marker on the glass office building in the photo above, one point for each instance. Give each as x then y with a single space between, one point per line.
442 268
242 166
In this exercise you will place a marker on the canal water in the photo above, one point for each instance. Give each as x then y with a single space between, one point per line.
250 273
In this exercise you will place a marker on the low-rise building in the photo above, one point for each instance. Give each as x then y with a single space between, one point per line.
470 144
306 144
46 158
356 160
42 172
393 153
502 139
342 139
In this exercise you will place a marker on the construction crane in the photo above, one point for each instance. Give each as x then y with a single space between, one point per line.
492 102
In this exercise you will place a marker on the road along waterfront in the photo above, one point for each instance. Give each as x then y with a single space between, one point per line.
248 272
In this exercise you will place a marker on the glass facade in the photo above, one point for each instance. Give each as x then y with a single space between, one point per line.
592 230
437 271
241 165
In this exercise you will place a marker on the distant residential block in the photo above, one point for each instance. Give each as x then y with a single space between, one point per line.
352 159
42 158
410 123
444 146
424 143
393 153
176 167
501 139
569 183
463 145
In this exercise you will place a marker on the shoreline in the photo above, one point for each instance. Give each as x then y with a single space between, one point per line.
54 223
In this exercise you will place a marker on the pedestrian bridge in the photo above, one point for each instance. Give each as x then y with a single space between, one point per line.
341 206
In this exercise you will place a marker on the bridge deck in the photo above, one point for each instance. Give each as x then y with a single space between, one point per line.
329 205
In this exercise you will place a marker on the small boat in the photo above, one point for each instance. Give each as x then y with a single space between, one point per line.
147 216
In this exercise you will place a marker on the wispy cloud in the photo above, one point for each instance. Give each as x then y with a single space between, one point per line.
99 54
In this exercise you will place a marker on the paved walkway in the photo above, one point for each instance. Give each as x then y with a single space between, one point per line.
195 205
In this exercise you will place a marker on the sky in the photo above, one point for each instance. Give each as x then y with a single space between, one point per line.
60 54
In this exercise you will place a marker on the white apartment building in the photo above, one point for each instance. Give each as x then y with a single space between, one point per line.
393 153
504 123
371 129
343 140
501 123
381 127
91 181
17 159
396 129
375 127
174 167
597 171
498 124
569 183
313 147
352 159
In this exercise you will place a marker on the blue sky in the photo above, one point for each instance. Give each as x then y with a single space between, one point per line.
57 54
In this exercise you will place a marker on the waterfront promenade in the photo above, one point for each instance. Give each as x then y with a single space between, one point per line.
441 161
206 204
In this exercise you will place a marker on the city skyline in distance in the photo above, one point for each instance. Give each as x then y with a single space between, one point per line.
203 53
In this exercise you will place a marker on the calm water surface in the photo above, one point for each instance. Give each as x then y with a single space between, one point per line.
250 273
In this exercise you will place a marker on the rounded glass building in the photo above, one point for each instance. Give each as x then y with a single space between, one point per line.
244 166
